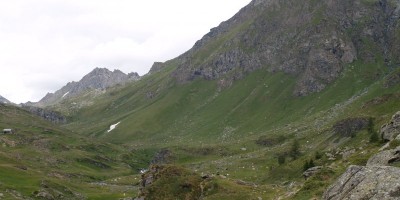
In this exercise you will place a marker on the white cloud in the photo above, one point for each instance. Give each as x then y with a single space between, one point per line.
47 43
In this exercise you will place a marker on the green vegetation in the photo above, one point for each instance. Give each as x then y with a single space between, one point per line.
244 139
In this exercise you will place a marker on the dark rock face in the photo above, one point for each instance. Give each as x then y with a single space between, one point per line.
98 79
349 127
371 182
48 115
391 130
312 40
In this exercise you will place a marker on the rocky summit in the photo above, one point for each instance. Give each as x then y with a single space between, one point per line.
98 79
4 100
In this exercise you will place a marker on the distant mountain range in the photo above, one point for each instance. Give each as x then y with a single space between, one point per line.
98 79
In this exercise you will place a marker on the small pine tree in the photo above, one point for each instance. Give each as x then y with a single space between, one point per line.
318 155
295 150
305 165
281 159
373 134
311 163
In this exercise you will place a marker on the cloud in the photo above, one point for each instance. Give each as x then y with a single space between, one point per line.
47 43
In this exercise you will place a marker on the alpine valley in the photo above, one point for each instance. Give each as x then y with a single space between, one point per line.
287 99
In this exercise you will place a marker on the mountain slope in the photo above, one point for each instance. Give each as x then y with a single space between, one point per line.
40 160
312 40
259 97
4 100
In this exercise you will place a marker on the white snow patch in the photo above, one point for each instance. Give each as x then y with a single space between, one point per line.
65 95
112 127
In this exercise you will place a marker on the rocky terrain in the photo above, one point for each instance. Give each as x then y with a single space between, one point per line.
376 180
312 40
286 100
48 115
99 79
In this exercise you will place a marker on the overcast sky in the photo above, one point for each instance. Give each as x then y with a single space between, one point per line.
45 44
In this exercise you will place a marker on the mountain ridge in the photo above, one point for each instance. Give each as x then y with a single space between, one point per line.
98 79
313 47
4 100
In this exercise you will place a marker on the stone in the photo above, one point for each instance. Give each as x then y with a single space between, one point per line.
371 182
391 130
385 157
311 171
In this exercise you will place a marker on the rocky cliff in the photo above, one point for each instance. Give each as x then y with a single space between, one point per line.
46 114
98 79
312 40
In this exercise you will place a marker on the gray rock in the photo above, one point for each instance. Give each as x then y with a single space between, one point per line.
47 114
44 195
98 79
157 66
314 48
311 171
385 157
391 130
371 182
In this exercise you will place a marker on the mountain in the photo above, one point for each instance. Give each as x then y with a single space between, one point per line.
275 103
311 40
97 80
4 100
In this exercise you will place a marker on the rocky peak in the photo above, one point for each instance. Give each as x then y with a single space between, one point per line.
98 79
312 40
4 100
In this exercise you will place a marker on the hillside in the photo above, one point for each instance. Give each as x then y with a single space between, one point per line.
279 88
42 161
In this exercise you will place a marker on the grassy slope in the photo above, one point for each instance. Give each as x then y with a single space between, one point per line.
206 127
210 130
40 153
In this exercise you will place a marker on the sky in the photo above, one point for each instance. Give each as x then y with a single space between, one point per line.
44 44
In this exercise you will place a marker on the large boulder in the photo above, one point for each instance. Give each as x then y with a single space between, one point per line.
385 157
391 130
371 182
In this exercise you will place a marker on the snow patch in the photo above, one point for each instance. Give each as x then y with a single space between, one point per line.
112 127
65 95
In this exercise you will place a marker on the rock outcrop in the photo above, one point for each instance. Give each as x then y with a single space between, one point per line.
371 182
48 115
157 66
169 182
311 40
98 79
349 127
376 180
311 171
391 130
385 157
